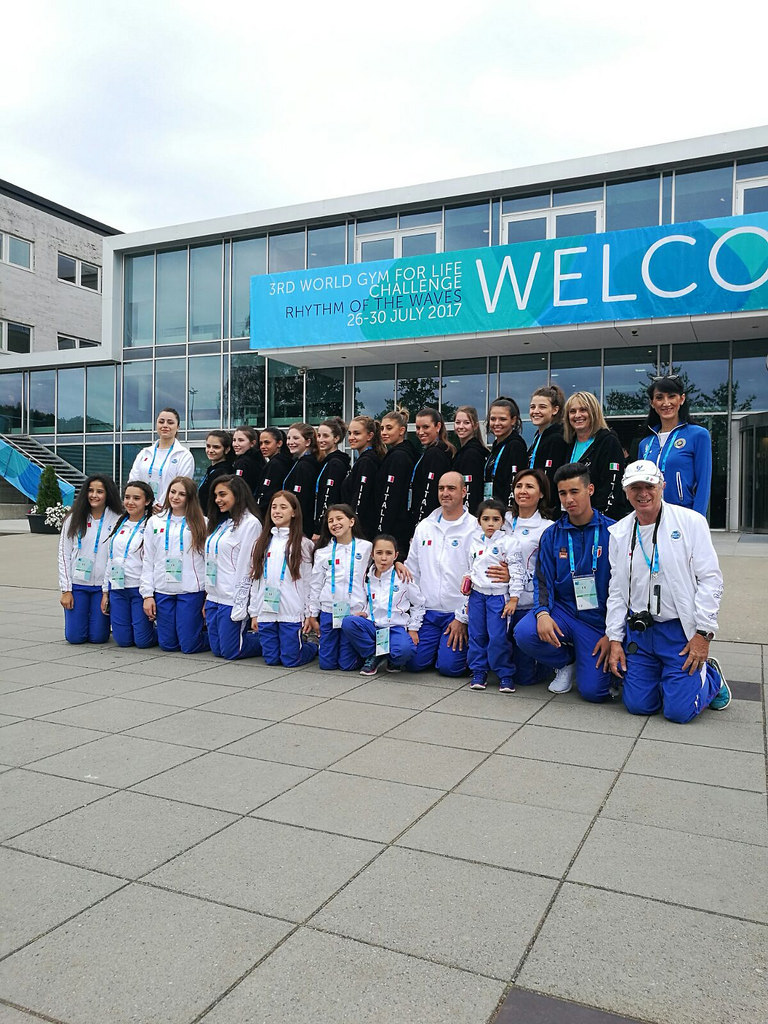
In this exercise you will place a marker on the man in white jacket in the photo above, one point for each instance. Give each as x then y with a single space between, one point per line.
663 600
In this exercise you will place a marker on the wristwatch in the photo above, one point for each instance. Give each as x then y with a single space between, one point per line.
706 633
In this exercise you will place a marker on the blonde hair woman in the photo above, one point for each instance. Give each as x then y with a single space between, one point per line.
592 443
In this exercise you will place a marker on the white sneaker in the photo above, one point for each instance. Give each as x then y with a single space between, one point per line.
564 679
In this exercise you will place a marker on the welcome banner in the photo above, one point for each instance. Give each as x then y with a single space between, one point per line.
714 266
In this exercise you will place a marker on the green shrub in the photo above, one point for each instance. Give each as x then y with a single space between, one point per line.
48 491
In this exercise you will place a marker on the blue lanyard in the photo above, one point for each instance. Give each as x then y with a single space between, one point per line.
137 527
514 524
266 562
391 595
152 463
663 452
218 534
535 448
98 535
319 478
351 568
293 467
413 474
181 533
654 567
496 463
594 552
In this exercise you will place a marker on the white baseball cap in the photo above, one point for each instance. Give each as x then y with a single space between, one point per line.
642 472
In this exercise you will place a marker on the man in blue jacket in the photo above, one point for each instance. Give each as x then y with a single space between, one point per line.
566 627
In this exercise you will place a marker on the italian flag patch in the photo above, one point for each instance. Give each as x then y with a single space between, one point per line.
613 467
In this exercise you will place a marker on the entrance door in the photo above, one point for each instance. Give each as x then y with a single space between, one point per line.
753 507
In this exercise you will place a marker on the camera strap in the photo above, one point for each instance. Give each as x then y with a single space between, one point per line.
652 562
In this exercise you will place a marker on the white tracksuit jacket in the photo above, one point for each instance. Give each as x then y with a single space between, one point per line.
321 597
153 578
69 553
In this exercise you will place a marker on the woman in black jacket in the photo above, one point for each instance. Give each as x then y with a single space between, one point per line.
301 478
334 467
549 451
218 448
594 445
277 463
508 451
434 460
249 462
393 481
359 488
471 456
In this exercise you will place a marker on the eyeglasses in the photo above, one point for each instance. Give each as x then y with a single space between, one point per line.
667 376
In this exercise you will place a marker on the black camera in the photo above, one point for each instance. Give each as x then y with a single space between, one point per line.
640 621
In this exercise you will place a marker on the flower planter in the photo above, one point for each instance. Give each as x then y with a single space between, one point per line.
37 524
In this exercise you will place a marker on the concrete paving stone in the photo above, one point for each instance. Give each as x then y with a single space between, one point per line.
118 760
171 665
257 703
11 664
41 700
10 1016
111 714
738 727
396 694
673 965
315 683
418 764
518 836
744 669
51 651
184 693
28 799
523 781
568 746
328 980
13 685
139 955
38 894
110 683
226 782
247 673
8 643
569 711
689 807
432 678
268 867
298 744
45 673
503 707
454 731
472 916
353 716
351 806
735 769
9 720
104 657
697 871
24 742
126 834
193 728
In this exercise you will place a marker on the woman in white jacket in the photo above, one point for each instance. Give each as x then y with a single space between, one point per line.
125 561
159 463
173 576
233 529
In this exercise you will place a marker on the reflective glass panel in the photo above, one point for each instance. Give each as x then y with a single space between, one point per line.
42 405
756 199
65 343
71 453
246 390
632 204
666 198
570 196
751 169
205 292
700 195
521 204
99 398
750 376
576 371
418 384
372 227
326 247
19 338
531 229
205 392
128 453
465 382
89 276
171 296
466 227
137 396
227 269
704 373
718 430
519 377
286 394
417 220
626 376
569 224
71 395
171 386
374 390
201 465
99 459
139 299
19 252
286 252
419 245
249 257
10 403
67 269
325 393
383 249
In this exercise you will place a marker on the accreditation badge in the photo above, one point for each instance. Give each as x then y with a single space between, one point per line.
83 569
173 568
382 641
339 611
211 571
488 490
585 591
272 598
117 577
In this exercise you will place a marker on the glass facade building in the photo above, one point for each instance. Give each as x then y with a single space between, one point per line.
177 310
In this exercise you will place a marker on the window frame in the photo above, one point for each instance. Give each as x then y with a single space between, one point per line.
550 214
77 283
4 325
397 235
744 186
79 342
5 237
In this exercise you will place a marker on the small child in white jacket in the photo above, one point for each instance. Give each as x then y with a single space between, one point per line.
490 604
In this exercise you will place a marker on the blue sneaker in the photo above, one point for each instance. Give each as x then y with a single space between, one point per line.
477 683
506 686
723 696
370 667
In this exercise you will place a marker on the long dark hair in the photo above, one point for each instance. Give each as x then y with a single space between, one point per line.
505 402
437 419
670 385
373 427
77 522
324 537
193 513
149 494
294 549
544 502
307 431
556 397
244 502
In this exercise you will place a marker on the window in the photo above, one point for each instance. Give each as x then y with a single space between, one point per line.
752 195
411 241
79 272
16 251
558 222
701 195
15 337
66 342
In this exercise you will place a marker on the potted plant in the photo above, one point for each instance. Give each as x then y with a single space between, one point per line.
49 512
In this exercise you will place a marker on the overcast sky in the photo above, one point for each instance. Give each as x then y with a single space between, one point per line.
158 112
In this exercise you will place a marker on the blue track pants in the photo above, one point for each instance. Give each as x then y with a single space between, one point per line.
578 641
228 639
336 652
86 623
433 650
488 643
283 644
180 622
361 635
528 671
130 626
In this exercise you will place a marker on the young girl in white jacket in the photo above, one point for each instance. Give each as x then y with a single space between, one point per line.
281 571
125 562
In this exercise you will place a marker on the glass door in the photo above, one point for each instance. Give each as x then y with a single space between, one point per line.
753 510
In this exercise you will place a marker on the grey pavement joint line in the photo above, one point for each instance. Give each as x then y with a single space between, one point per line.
32 1013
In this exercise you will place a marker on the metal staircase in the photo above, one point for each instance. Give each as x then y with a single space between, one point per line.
17 447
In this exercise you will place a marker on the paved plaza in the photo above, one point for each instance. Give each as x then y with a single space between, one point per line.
188 840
